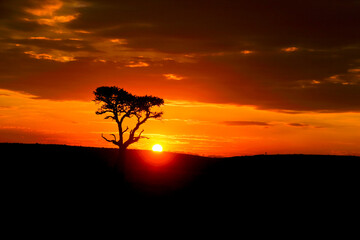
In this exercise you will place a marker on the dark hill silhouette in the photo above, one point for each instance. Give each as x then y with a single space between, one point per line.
59 178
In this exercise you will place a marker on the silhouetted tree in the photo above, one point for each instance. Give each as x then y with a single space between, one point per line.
119 104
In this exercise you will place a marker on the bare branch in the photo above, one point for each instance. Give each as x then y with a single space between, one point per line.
156 115
102 135
135 139
112 141
102 111
114 137
127 128
142 136
140 133
124 116
107 117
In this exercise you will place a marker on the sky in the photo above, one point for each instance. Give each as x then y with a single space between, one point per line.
238 77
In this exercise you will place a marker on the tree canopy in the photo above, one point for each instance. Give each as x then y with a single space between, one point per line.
118 104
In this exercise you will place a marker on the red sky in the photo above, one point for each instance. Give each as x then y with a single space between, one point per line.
238 77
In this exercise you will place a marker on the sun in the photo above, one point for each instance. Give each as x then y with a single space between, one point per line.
157 148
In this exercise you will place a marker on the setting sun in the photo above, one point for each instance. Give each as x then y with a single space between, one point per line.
157 148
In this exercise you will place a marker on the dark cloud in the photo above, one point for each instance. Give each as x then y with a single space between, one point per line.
298 124
301 55
69 45
12 16
14 65
224 23
324 33
306 125
61 80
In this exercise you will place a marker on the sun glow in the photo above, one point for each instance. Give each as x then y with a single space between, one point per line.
157 148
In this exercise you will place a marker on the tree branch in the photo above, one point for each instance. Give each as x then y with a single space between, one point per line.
156 114
112 141
102 111
102 135
127 128
114 137
141 136
107 117
123 117
136 139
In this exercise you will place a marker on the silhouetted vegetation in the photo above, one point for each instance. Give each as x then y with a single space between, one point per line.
119 104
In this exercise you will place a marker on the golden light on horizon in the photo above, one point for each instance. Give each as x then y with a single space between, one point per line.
157 148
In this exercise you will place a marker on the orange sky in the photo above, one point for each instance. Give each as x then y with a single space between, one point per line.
236 79
205 129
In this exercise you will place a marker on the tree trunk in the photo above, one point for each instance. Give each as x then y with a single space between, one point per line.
121 158
122 165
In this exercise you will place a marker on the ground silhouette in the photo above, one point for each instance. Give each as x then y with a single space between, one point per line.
59 178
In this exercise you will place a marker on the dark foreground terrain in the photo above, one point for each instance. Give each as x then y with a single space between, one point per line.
56 179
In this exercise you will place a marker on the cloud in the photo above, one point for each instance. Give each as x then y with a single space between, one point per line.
290 49
48 43
50 57
44 12
245 123
133 64
52 21
118 41
298 124
171 76
44 8
246 52
232 52
308 23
